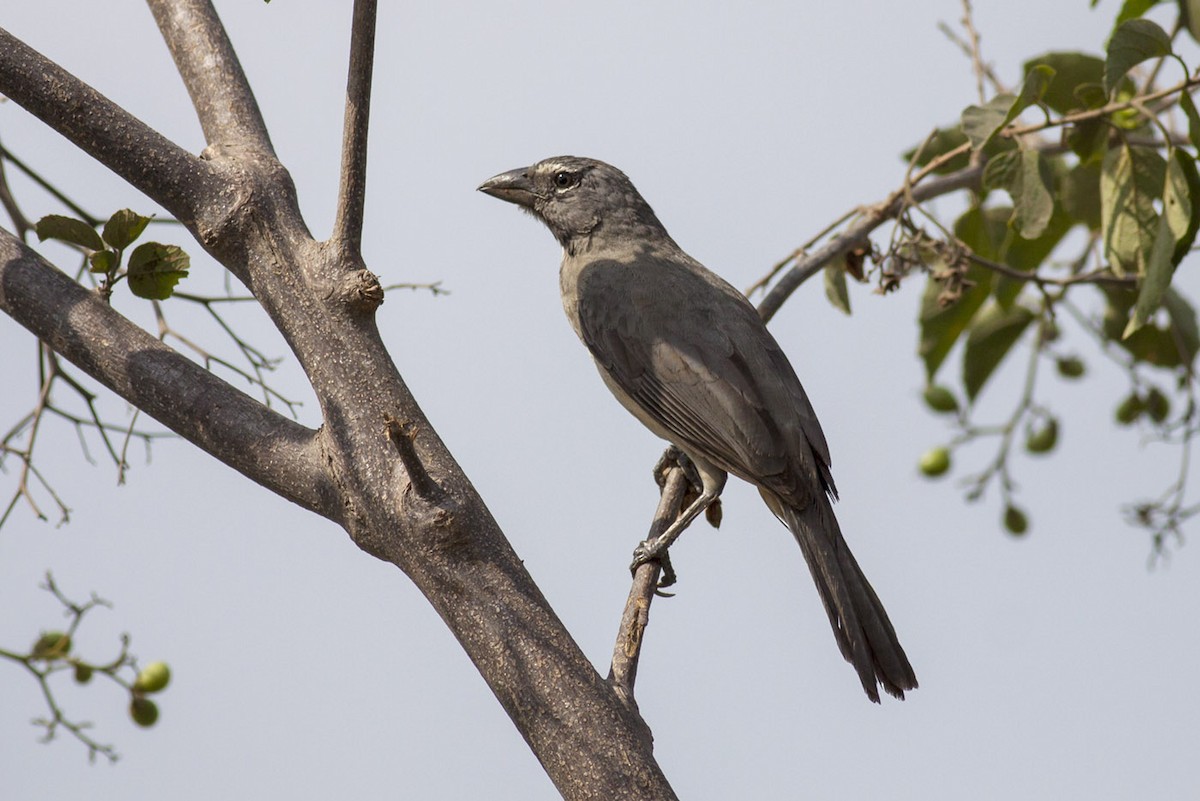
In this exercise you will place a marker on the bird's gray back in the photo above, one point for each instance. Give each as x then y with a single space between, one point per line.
696 364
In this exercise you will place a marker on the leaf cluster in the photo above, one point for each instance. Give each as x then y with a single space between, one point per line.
152 269
1112 203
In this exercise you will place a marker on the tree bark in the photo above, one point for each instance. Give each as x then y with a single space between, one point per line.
376 467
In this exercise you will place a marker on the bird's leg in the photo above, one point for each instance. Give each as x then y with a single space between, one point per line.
711 482
673 457
649 550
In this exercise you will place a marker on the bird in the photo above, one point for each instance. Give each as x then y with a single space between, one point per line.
689 356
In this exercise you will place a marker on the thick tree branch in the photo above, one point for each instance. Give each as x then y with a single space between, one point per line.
323 301
150 162
213 75
347 228
268 448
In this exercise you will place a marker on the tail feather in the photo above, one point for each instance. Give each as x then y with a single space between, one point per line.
860 623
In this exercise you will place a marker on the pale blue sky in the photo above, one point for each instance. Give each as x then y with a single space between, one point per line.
1053 667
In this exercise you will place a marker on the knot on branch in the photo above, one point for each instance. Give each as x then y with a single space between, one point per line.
361 291
431 510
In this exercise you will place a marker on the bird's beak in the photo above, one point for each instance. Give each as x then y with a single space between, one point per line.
513 186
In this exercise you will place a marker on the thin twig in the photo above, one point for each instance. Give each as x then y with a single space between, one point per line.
1103 276
50 189
347 227
976 54
627 651
22 225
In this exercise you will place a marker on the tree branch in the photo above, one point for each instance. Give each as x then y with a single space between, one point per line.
323 302
347 227
212 73
261 444
172 177
856 233
627 652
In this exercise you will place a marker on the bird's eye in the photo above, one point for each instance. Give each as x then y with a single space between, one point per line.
563 179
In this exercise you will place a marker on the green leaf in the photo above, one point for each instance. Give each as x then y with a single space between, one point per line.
980 123
1158 277
1131 179
1089 139
1183 325
992 335
1071 70
103 261
835 286
1174 224
943 141
1091 95
68 229
1025 175
1028 255
123 228
942 325
1133 42
1132 9
1189 15
1032 203
1150 344
1193 117
1187 166
1037 81
155 269
985 230
1001 171
1079 194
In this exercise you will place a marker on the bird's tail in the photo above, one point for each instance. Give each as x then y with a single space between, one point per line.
860 623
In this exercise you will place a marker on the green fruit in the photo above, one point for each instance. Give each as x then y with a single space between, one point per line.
1071 367
1049 330
940 399
934 462
1130 409
52 645
1015 521
153 678
1043 439
143 711
1157 405
83 673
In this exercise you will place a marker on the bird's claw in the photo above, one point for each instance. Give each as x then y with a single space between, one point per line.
673 456
670 458
646 552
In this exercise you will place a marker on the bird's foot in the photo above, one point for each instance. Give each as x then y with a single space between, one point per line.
670 458
648 551
674 457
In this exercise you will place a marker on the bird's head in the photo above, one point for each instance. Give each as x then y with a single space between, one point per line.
579 199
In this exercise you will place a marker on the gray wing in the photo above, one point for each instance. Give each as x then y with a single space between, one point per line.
695 357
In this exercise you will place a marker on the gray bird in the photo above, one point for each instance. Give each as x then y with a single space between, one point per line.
690 358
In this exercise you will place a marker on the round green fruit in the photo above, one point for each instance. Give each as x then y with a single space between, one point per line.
83 673
934 462
1044 439
52 645
1157 405
1130 409
1015 521
1071 367
153 678
143 711
940 399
